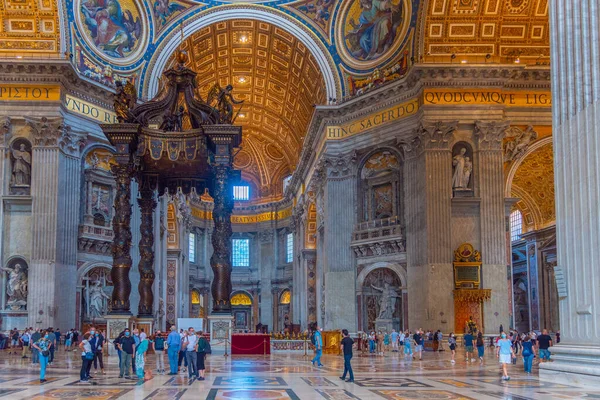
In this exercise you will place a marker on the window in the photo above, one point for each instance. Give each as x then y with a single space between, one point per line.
241 192
516 225
241 252
192 247
289 248
286 182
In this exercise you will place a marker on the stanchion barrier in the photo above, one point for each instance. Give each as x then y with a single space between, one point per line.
252 348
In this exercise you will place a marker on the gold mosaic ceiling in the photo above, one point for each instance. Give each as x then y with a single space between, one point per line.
279 81
30 27
534 183
507 30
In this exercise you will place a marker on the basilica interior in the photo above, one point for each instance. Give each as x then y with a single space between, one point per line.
274 167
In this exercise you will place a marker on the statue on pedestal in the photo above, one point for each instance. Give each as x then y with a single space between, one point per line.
16 287
98 301
387 301
462 170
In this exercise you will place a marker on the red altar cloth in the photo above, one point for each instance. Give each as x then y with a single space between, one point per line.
250 343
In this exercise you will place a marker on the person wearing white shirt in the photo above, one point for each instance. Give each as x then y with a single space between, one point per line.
189 344
142 335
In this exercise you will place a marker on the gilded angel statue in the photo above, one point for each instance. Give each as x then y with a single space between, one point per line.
222 100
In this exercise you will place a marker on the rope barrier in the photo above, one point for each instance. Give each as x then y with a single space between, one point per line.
256 347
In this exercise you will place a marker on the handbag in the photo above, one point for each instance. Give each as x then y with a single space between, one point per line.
46 353
89 356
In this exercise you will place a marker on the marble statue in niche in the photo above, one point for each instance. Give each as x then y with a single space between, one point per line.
16 286
21 167
98 301
387 301
462 163
459 162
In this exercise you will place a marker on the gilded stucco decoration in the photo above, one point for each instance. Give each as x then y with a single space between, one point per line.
534 183
29 26
278 80
506 30
241 299
100 159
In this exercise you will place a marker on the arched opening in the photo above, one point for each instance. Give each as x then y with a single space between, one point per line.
381 300
283 310
95 291
241 306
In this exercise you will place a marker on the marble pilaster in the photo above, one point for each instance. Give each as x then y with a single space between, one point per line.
339 194
428 226
55 190
492 216
575 49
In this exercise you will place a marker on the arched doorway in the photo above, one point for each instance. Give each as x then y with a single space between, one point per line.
381 287
285 321
241 305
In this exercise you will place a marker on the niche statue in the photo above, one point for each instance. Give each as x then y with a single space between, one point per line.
21 170
463 167
16 287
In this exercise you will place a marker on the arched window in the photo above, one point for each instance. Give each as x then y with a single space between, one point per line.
516 225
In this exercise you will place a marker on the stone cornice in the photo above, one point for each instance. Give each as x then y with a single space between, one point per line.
55 72
421 76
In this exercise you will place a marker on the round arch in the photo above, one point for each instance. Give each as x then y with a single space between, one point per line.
515 166
87 267
241 294
397 268
247 11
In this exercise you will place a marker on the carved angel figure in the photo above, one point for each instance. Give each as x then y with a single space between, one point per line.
519 142
124 100
222 100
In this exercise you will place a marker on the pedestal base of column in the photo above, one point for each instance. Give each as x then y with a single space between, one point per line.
221 326
145 323
115 324
13 319
382 324
573 365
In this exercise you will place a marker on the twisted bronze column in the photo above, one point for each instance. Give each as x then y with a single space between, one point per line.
122 240
146 246
220 261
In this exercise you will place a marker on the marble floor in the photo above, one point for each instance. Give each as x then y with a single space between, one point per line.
288 376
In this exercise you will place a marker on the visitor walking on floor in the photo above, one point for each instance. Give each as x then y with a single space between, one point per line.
41 346
379 343
372 341
127 346
407 345
158 345
346 346
173 346
440 338
504 353
136 338
452 345
189 344
528 354
480 347
86 358
394 336
53 344
140 357
35 353
418 338
317 341
544 343
468 342
98 352
24 339
202 349
386 342
182 353
68 339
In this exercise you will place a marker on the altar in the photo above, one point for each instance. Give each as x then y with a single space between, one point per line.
250 343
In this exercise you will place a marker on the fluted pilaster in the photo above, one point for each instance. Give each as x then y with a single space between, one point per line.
339 195
492 215
575 55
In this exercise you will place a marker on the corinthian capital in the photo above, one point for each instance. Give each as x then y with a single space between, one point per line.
490 134
46 131
339 166
71 142
430 135
5 129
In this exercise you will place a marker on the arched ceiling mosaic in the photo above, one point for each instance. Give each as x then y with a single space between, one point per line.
278 80
506 30
534 184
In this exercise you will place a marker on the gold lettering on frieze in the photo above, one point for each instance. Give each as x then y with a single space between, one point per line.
377 119
487 97
10 92
246 219
89 110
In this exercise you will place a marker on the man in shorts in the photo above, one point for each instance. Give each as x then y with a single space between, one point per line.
418 338
468 341
544 343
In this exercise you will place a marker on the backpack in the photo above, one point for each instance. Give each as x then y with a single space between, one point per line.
207 348
313 339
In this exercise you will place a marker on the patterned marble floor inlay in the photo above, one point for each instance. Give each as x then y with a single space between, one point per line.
420 394
285 376
270 394
244 381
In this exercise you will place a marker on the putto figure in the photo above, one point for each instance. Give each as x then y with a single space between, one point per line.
222 100
125 99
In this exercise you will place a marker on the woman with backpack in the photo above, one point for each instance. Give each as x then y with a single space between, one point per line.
202 349
43 348
452 344
480 344
528 354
